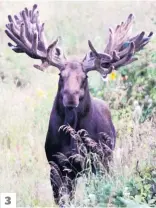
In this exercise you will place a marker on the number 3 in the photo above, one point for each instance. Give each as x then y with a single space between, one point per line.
8 200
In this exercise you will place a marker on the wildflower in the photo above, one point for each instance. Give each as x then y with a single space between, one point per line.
113 75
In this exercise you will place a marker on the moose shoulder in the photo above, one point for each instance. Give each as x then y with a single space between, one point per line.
73 104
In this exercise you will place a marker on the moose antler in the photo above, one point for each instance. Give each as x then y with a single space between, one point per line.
119 50
27 32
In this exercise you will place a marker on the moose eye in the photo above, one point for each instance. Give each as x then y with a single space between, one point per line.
60 75
61 78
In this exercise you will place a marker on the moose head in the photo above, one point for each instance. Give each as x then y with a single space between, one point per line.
27 32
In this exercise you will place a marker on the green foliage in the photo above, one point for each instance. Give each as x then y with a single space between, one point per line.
141 83
103 191
143 187
121 94
136 82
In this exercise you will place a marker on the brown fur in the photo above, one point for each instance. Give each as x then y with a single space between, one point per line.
92 114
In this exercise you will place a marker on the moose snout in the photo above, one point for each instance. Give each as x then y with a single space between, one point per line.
70 98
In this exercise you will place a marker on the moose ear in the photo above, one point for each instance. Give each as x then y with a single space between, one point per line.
55 55
89 61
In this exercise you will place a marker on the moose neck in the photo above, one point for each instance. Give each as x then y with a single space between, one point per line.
73 117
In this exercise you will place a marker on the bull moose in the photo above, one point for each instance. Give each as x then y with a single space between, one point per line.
73 103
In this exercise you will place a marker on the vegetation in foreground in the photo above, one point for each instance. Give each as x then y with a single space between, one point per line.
27 96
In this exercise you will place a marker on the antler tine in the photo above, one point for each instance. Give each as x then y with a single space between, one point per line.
92 48
108 48
15 48
120 49
33 25
24 31
140 41
126 27
119 35
105 56
126 58
27 32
